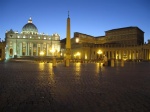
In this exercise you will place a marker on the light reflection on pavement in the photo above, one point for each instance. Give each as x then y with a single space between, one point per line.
29 86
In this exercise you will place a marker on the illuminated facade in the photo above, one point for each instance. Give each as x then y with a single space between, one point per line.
123 43
30 43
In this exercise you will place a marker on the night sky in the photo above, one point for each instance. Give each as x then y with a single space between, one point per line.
92 17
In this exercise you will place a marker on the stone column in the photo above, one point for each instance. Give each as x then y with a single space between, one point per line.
47 50
21 49
119 55
14 49
36 49
31 49
108 54
26 49
131 54
134 55
116 54
137 54
112 54
127 54
147 54
122 52
41 47
144 54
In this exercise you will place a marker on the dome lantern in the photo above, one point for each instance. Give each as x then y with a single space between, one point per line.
30 20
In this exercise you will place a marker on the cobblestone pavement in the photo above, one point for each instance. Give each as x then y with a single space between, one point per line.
38 87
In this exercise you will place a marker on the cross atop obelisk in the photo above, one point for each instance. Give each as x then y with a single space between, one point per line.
68 14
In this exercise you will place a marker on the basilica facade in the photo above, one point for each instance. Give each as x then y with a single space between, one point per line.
31 43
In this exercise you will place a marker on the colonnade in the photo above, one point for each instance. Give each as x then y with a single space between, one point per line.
126 53
129 54
32 49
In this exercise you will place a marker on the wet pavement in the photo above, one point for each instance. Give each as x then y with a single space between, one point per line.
39 87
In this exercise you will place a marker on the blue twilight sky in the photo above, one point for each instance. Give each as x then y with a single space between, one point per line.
92 17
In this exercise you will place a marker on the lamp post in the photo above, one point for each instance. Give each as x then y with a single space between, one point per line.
41 53
54 59
99 53
52 52
78 54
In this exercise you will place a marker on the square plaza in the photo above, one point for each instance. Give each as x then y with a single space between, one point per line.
27 86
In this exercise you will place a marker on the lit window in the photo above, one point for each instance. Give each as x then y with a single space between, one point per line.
77 40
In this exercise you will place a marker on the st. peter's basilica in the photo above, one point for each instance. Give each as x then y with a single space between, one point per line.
30 43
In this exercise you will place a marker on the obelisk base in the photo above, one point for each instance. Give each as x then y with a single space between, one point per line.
54 62
67 62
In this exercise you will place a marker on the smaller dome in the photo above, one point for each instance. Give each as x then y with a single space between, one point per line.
29 27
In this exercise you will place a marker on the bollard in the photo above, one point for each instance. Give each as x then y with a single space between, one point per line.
122 63
112 63
54 62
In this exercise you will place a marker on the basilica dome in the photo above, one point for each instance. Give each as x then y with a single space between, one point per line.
29 28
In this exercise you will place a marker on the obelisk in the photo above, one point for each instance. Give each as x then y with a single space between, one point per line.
68 43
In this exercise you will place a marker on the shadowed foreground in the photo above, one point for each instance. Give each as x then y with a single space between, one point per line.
38 87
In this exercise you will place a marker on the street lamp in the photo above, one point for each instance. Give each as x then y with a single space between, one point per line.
53 56
77 40
52 51
78 54
99 53
41 53
75 56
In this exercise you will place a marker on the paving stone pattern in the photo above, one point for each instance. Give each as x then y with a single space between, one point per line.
39 87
